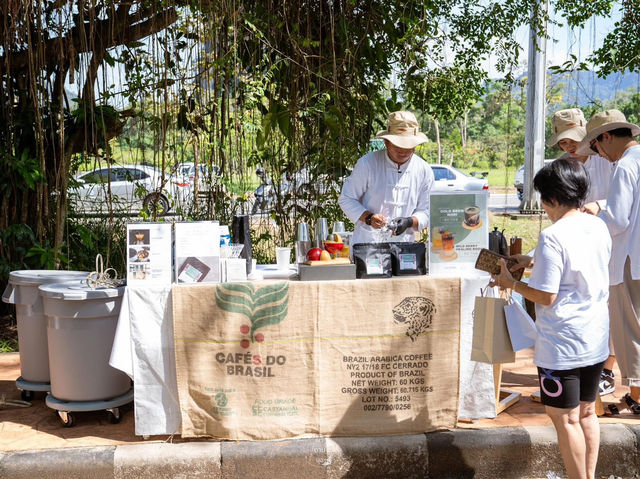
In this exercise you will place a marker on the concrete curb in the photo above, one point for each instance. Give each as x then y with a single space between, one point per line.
513 452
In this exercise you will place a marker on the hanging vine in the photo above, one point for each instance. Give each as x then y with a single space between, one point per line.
297 86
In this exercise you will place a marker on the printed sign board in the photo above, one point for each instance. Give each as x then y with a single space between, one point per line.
459 229
149 254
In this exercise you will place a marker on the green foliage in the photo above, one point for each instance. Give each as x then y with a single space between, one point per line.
47 257
282 85
15 241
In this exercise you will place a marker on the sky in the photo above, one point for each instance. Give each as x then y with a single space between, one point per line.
564 41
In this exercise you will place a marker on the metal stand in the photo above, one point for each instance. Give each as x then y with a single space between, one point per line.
65 408
28 388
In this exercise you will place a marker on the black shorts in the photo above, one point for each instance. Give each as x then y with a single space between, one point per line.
565 389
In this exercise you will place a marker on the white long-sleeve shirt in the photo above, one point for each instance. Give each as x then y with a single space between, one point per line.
599 171
622 215
379 185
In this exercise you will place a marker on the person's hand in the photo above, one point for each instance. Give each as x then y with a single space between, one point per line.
400 225
592 208
504 280
378 221
523 260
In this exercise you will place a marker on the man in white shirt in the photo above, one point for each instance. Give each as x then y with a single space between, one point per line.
611 136
390 187
568 131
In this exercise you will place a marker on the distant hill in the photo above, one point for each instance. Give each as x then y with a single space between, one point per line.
585 87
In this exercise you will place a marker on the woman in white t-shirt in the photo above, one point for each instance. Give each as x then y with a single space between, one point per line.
569 129
569 284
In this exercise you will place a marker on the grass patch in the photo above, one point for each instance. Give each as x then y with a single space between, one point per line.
526 227
8 346
498 178
8 334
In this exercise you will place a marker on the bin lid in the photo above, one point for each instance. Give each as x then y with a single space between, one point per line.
35 277
78 291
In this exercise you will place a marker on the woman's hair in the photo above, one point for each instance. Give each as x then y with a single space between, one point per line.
563 180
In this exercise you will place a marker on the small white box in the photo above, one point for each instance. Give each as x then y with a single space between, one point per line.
234 269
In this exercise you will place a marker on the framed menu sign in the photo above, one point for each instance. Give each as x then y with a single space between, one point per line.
459 229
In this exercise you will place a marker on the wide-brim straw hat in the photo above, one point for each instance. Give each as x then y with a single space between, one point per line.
403 130
568 124
602 122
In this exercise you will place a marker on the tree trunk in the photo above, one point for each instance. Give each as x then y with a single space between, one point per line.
437 128
463 128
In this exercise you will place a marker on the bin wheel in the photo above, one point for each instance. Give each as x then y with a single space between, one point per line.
68 419
113 415
26 395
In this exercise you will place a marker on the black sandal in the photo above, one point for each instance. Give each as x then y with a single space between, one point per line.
633 405
613 410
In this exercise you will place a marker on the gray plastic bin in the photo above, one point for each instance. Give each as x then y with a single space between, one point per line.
81 325
22 291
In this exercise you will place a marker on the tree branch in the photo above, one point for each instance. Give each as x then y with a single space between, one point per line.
131 30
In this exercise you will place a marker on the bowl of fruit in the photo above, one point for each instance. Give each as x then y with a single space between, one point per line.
333 246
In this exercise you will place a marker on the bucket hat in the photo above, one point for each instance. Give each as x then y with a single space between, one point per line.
403 130
569 124
602 122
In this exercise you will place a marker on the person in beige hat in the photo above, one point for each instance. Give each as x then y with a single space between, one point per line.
569 129
611 136
390 187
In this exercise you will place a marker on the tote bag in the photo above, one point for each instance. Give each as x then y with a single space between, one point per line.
491 343
522 329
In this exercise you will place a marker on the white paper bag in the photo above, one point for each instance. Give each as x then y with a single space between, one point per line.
522 329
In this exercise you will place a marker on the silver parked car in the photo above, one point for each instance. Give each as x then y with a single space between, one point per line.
448 178
131 187
518 181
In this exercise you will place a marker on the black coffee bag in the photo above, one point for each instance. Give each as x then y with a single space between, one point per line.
373 260
408 259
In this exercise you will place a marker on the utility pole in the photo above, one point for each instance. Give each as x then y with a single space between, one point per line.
535 115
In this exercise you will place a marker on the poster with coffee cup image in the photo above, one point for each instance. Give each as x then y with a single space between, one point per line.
458 230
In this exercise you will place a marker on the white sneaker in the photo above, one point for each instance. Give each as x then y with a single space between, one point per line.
607 384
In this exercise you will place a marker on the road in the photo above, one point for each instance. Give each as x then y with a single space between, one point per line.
501 202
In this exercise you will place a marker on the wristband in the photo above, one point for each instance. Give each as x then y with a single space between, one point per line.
367 220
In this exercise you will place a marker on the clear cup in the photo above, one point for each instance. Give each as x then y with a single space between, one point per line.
303 232
338 227
321 232
283 257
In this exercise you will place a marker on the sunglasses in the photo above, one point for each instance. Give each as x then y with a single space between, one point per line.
592 145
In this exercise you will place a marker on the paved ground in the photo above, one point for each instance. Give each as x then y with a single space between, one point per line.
519 443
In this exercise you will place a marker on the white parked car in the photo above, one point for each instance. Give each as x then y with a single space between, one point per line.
448 178
132 187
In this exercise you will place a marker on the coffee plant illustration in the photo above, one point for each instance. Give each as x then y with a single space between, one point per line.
263 306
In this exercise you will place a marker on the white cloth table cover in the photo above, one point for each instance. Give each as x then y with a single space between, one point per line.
143 348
